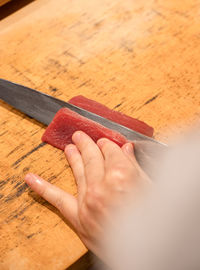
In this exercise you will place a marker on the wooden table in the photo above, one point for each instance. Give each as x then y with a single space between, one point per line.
140 57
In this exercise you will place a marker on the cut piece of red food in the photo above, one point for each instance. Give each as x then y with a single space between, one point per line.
102 110
66 122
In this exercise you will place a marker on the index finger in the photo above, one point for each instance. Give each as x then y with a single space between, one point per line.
113 154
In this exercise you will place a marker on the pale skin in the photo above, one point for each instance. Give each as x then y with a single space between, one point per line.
105 174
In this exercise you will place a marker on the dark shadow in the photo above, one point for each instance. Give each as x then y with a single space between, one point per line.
83 263
12 7
88 262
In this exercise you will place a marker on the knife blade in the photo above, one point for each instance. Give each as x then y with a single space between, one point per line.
43 108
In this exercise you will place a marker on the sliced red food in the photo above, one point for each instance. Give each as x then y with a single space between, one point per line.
66 122
102 110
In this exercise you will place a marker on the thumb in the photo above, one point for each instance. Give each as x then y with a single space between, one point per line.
63 201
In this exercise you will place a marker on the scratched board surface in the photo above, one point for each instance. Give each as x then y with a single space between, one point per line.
140 57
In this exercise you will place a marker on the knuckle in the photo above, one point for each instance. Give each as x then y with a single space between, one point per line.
121 178
93 197
89 162
59 204
118 172
123 172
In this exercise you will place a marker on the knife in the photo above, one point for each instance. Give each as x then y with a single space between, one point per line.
43 108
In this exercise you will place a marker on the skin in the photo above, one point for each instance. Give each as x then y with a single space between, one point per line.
105 175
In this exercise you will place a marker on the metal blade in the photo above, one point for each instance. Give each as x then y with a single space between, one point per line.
31 102
43 108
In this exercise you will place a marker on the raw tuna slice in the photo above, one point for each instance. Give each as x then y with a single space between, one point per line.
66 122
102 110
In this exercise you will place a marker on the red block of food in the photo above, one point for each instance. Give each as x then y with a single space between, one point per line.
102 110
66 122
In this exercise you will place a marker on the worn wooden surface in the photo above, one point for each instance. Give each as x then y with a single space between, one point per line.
140 57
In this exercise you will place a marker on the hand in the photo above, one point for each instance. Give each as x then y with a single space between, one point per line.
105 175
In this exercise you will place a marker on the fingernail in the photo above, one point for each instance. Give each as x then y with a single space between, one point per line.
101 142
69 149
129 148
76 136
32 178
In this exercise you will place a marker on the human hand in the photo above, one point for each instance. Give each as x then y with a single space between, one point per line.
105 175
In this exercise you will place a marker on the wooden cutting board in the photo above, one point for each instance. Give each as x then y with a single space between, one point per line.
140 57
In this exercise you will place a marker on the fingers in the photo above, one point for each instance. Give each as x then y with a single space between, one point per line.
128 151
75 161
120 163
63 201
91 155
113 154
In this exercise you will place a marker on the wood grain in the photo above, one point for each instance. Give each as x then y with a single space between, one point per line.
140 57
